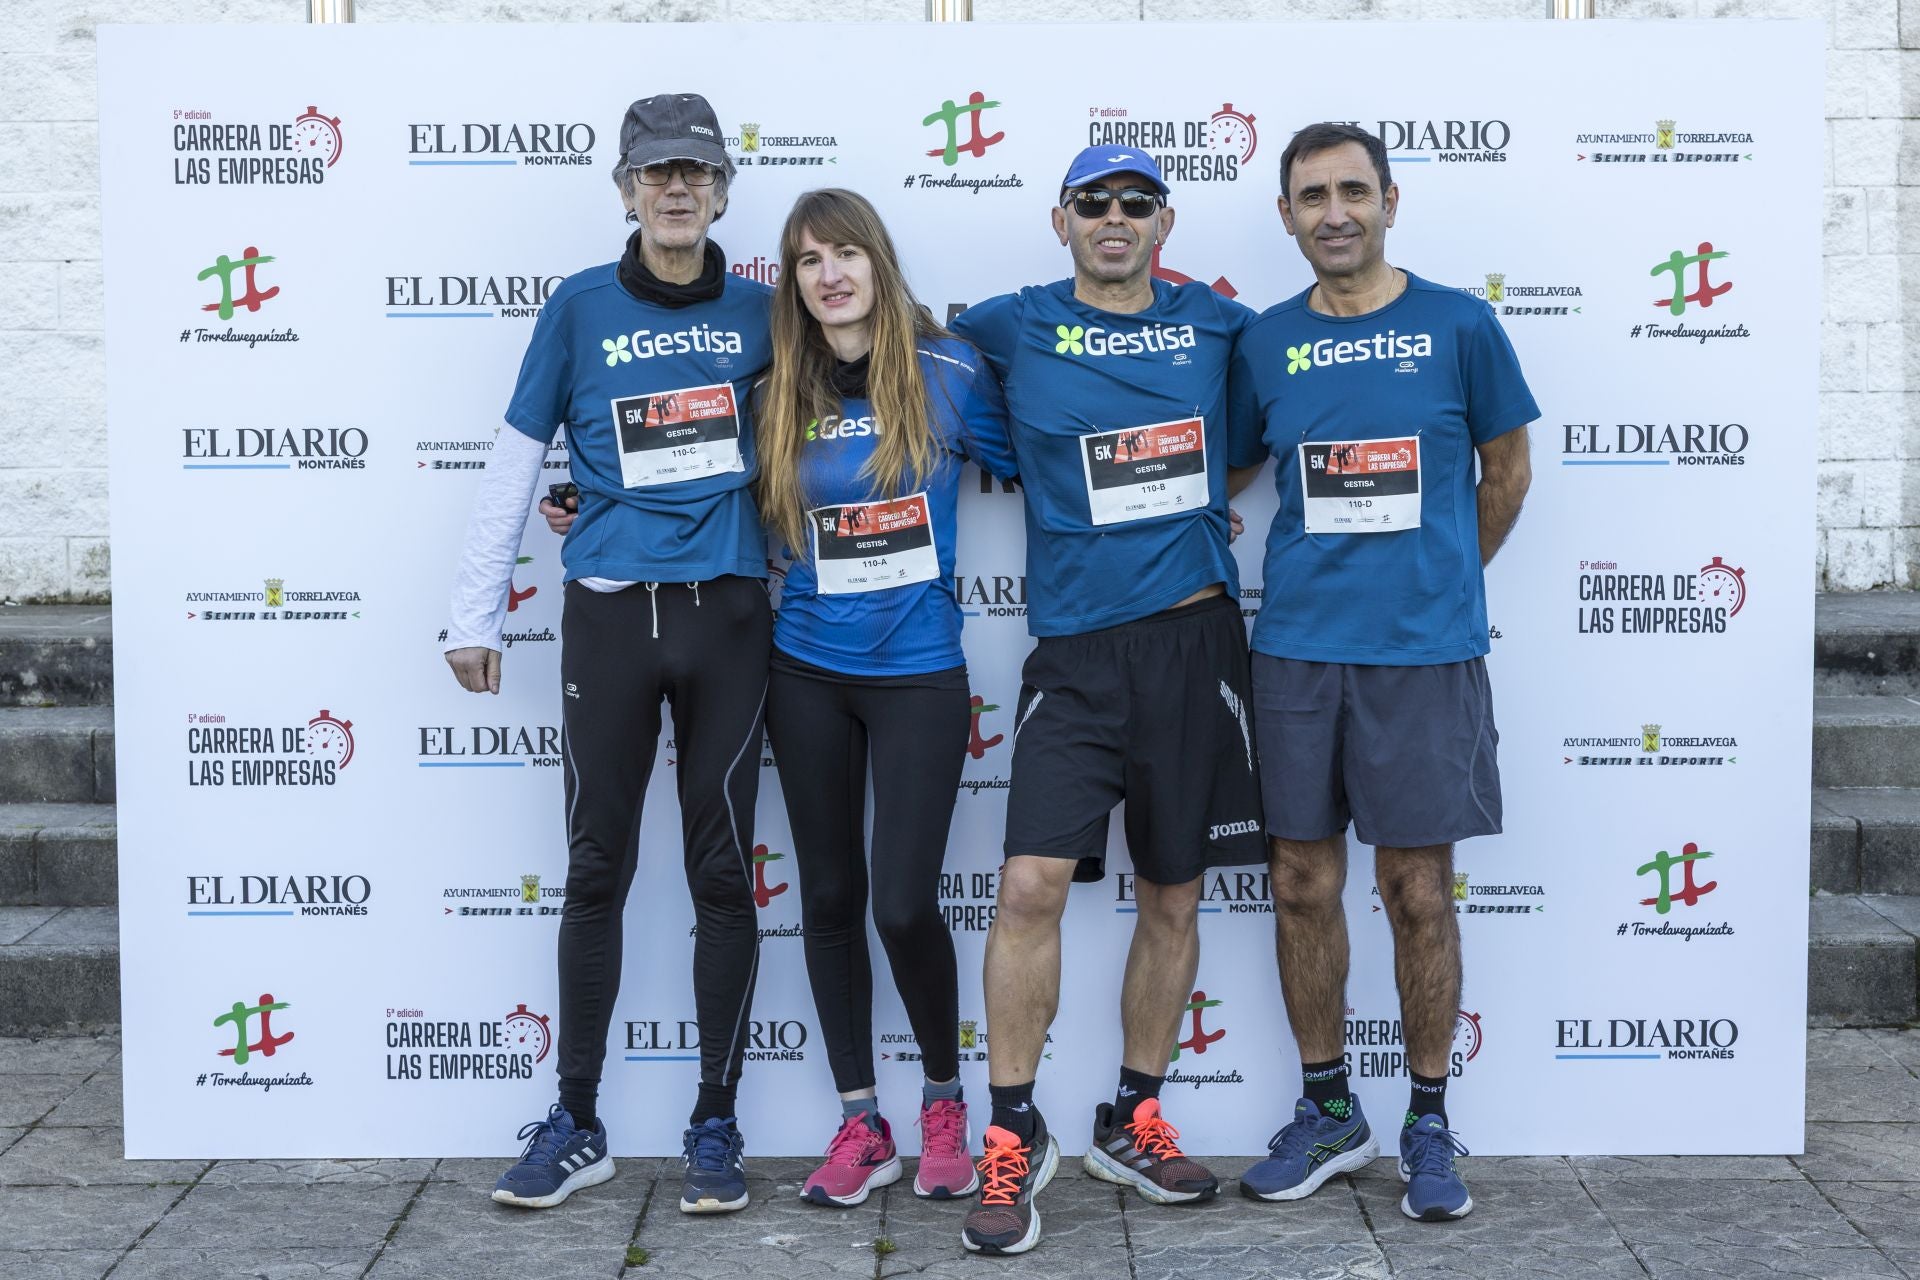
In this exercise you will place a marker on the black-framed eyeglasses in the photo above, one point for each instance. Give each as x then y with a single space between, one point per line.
692 172
1093 202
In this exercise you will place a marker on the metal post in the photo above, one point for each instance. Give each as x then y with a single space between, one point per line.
945 10
1559 8
329 10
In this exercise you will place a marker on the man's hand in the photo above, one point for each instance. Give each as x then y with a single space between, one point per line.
560 519
477 668
1506 471
1235 525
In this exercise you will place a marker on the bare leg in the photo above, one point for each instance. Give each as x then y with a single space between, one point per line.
1310 940
1416 889
1023 965
1160 968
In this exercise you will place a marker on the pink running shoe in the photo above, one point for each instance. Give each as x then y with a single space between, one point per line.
858 1160
946 1168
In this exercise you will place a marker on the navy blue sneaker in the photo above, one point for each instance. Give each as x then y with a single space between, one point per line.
559 1160
1308 1151
1435 1192
716 1176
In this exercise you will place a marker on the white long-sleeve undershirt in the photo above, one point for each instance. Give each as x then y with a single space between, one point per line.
485 575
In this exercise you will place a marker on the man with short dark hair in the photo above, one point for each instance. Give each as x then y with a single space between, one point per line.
1375 390
1136 687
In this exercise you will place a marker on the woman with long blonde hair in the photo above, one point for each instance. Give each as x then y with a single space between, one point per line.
863 421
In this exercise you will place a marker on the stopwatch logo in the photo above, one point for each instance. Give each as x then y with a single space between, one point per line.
1232 132
529 1031
317 136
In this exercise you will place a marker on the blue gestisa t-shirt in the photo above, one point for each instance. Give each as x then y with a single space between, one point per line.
654 400
1374 555
1121 430
873 595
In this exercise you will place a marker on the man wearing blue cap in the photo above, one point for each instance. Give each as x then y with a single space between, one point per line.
1137 688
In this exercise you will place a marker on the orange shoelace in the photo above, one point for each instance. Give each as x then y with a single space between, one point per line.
1001 1169
1153 1135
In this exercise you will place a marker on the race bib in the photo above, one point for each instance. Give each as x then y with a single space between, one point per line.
1361 486
670 436
1143 472
869 546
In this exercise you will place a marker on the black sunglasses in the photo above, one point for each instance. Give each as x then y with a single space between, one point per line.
1093 201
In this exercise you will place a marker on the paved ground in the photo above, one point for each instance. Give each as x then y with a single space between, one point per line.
71 1208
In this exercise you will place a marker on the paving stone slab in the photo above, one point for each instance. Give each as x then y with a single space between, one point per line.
1080 1221
1734 1213
1900 910
606 1262
1330 1216
1860 966
1903 1046
1689 1167
1871 741
1886 1213
59 1264
1357 1259
56 1055
779 1234
1843 1047
1870 1152
318 1173
86 1218
26 1098
97 1103
86 1158
1683 1261
47 754
1536 1218
1885 1092
302 1217
1442 1258
271 1262
452 1219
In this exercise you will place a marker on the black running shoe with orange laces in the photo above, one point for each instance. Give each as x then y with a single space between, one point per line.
1145 1154
1005 1219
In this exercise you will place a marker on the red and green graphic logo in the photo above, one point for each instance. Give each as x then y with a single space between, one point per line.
763 893
240 1015
1200 1037
223 268
1689 893
1703 292
976 745
949 115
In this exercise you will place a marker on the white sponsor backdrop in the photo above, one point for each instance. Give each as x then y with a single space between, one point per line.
327 437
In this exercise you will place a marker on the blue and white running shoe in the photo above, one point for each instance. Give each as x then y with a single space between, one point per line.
559 1160
1435 1192
1308 1151
715 1180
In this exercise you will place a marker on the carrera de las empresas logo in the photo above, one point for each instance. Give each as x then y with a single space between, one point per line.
213 150
1643 601
235 751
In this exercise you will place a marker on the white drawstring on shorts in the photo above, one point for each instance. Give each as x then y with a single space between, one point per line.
654 600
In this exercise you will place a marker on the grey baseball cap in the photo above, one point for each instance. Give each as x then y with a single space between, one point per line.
672 126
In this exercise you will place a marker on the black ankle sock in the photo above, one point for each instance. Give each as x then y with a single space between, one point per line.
1135 1088
1013 1109
578 1097
1325 1084
1429 1098
715 1101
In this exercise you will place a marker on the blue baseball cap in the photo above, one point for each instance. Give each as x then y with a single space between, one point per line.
1096 163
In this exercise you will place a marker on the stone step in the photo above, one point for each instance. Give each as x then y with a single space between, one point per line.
59 970
58 855
56 655
1866 840
1867 642
56 755
1866 741
1862 969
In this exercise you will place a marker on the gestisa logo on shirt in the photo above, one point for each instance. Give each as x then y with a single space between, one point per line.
1390 345
1079 340
841 428
644 344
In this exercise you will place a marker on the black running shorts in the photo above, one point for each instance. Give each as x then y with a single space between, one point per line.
1156 712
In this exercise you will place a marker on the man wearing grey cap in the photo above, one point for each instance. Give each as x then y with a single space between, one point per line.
647 363
1137 688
